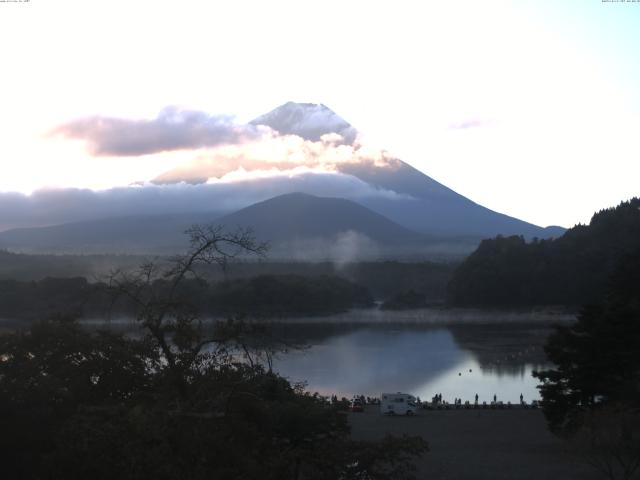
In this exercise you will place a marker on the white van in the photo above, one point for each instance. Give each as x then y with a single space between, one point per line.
398 404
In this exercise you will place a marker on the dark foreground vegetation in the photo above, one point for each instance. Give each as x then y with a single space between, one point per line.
176 401
571 270
592 395
79 405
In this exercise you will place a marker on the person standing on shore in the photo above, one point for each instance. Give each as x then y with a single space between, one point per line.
495 399
476 398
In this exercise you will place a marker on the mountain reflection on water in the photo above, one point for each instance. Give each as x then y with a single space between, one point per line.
456 361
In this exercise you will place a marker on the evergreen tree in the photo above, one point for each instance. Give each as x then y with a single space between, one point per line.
597 359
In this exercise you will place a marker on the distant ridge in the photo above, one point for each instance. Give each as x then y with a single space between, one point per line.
299 215
131 234
295 220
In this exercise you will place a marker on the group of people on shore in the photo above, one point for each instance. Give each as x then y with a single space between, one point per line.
436 401
361 398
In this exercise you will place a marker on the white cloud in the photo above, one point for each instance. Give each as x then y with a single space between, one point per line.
55 206
280 152
173 129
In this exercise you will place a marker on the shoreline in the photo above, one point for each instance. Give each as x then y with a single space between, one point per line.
433 316
437 316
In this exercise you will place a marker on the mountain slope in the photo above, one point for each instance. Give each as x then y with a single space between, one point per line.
302 216
433 208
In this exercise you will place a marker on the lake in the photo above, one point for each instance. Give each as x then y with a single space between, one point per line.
456 353
456 361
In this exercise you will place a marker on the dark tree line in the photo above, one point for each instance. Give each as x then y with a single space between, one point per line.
30 300
283 295
382 279
571 270
261 296
405 301
29 267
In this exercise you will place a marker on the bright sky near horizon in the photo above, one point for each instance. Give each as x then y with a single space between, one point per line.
531 108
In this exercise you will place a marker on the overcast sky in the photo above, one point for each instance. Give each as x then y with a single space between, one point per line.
531 108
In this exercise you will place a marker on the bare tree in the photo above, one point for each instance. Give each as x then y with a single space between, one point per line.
161 305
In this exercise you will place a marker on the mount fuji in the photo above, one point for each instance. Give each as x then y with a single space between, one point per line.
396 189
423 204
307 120
311 162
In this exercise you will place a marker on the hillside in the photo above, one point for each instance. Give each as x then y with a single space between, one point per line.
570 270
309 228
298 215
329 227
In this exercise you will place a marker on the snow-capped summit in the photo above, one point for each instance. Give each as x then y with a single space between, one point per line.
307 120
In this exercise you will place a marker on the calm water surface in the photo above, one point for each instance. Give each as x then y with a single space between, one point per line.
425 352
456 361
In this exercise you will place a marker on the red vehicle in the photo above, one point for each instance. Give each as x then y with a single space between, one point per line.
356 405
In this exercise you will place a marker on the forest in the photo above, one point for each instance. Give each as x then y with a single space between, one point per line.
571 270
382 278
77 285
264 296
